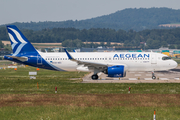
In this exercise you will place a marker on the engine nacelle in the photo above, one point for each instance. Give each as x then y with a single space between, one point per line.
116 71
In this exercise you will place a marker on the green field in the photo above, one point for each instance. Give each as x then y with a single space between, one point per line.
21 99
177 60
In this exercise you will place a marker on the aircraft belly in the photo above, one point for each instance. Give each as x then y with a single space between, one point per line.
67 68
140 67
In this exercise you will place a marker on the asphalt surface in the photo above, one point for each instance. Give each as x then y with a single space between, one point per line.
170 76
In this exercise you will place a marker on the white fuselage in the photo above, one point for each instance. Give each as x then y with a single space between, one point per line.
133 61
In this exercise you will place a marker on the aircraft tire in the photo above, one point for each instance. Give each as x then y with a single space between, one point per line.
94 77
153 77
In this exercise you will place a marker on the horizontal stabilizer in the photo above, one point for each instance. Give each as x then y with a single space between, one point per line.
23 59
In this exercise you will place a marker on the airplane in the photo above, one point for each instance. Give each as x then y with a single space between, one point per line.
114 64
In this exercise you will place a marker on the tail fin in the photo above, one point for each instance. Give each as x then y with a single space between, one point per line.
19 43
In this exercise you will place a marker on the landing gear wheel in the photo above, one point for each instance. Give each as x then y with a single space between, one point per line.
153 77
94 77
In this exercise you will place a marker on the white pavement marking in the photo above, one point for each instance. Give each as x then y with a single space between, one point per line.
163 78
176 78
132 78
137 74
115 78
148 79
140 72
148 74
131 72
160 75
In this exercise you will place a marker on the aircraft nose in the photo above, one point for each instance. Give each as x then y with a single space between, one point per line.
174 64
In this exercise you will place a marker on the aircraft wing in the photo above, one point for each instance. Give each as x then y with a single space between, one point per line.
19 58
88 64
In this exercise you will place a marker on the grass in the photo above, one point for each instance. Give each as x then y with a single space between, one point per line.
86 113
177 60
21 99
18 82
4 63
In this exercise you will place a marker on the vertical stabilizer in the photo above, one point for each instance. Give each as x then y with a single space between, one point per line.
19 43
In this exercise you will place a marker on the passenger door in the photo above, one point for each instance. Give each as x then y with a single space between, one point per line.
39 60
153 59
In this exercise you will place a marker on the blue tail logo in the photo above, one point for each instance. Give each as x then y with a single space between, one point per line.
19 42
24 52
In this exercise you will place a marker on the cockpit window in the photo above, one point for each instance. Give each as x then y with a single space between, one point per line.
166 58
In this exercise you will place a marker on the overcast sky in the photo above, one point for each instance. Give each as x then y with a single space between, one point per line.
60 10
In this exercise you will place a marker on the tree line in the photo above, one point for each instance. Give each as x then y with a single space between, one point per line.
154 38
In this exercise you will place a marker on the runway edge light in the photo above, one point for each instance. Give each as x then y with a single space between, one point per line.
55 89
129 90
154 116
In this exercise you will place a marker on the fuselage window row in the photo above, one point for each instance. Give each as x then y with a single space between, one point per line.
98 58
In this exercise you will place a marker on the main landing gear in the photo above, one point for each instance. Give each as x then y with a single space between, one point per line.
94 77
153 76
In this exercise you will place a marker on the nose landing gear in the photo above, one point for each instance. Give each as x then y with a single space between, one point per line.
153 75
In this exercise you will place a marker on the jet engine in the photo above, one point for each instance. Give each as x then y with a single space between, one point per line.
116 71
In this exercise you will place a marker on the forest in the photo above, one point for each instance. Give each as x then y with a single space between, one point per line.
136 19
153 39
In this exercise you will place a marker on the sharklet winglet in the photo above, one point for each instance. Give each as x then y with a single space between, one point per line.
69 56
